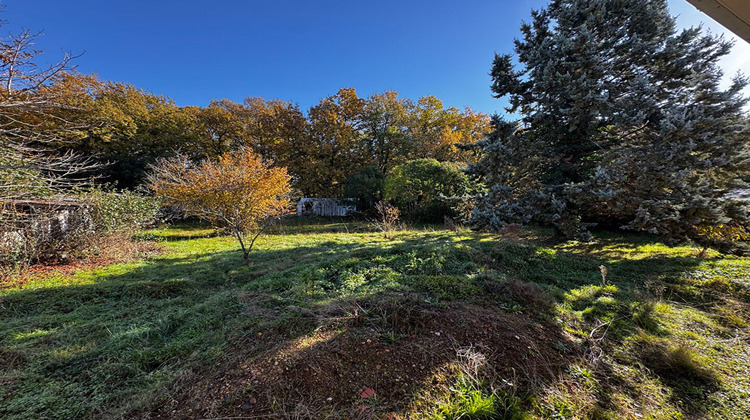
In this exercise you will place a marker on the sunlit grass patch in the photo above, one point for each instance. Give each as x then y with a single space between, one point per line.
658 332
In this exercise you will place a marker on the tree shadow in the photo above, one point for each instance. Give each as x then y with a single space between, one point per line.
205 335
109 337
614 300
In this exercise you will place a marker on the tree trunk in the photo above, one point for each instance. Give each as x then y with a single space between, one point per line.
245 251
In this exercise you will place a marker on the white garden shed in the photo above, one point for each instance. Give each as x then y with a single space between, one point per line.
326 206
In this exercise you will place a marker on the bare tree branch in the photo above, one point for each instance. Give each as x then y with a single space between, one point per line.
33 127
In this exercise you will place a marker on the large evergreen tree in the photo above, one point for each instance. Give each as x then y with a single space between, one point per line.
622 122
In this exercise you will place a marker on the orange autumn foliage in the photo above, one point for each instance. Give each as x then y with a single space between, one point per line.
240 192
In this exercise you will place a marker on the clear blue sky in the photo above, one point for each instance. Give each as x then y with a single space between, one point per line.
300 51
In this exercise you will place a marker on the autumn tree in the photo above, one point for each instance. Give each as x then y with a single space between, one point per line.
216 129
274 128
239 192
336 125
279 131
438 133
385 138
123 126
129 128
397 130
348 133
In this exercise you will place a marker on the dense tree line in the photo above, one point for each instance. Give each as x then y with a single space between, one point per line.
623 123
128 128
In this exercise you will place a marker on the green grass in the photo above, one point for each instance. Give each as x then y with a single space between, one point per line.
664 336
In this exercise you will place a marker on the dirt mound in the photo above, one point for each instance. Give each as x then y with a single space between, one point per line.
369 366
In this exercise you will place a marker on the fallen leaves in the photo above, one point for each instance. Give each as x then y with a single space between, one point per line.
367 393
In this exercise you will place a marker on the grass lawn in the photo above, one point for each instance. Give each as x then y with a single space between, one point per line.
332 320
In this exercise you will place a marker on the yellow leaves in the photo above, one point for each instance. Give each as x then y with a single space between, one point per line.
723 232
238 191
436 130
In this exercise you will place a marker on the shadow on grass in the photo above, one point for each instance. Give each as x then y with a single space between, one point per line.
204 335
79 350
611 301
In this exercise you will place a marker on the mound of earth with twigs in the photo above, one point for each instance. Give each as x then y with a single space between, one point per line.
373 359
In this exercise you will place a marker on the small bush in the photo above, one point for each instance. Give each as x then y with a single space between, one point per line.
726 238
422 189
119 211
36 230
387 218
64 228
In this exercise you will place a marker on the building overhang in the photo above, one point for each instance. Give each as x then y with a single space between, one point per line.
732 14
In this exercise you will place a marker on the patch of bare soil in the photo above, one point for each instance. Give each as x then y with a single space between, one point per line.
356 368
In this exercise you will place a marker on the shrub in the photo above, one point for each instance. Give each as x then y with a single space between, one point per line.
726 238
113 211
426 190
69 227
239 192
36 230
387 218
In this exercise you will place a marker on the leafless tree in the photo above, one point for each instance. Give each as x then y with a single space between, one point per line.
34 157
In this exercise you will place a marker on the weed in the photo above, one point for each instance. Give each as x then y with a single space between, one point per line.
674 362
443 287
466 401
732 313
660 336
644 315
450 224
530 296
511 232
387 218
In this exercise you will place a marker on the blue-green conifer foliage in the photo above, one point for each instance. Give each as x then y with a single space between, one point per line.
623 123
